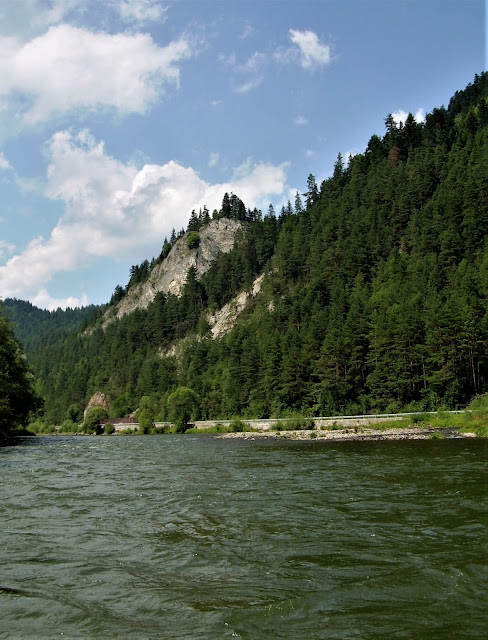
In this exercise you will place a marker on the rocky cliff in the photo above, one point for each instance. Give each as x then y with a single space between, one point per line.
170 275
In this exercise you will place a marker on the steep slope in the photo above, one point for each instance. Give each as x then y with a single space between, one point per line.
170 275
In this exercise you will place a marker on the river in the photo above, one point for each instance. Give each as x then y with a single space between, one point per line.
196 537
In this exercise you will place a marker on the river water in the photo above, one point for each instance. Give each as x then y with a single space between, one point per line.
198 537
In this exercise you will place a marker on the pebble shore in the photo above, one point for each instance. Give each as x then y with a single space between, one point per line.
422 433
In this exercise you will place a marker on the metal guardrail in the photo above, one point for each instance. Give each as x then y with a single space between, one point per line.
355 417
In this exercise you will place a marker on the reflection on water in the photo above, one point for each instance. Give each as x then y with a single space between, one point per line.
195 537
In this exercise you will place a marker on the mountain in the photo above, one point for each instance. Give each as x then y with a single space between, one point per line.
371 295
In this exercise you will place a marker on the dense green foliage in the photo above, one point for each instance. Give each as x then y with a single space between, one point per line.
37 328
93 418
17 396
375 296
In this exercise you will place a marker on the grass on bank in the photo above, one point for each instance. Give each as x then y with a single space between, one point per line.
473 420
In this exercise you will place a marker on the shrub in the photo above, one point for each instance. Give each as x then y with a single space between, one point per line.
437 435
237 426
37 426
109 429
68 426
182 405
192 240
145 421
480 403
300 423
92 419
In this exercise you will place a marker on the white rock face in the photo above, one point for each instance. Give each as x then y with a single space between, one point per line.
224 320
170 275
221 321
98 399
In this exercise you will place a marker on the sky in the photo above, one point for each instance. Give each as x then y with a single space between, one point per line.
119 117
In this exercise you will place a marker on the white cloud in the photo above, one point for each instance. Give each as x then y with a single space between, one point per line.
420 115
300 121
44 301
112 208
307 49
68 68
4 163
400 116
142 11
312 52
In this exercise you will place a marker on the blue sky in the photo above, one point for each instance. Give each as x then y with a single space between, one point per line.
117 118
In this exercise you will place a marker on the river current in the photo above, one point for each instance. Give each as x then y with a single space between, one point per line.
197 537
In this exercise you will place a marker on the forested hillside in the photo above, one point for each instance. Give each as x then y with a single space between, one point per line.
37 328
375 295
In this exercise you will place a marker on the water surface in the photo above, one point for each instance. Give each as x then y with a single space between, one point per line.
197 537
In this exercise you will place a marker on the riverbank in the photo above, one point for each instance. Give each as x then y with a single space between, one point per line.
401 433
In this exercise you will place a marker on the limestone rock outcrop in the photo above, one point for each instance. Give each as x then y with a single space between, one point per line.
98 399
170 275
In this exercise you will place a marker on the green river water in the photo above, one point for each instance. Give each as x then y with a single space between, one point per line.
197 537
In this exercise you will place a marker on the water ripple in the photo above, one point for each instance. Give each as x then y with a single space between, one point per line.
194 537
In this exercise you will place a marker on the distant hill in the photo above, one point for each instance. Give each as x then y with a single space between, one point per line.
372 296
36 328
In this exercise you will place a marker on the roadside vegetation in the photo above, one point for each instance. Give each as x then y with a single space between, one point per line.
473 420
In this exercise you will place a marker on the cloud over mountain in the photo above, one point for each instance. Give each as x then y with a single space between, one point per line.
111 207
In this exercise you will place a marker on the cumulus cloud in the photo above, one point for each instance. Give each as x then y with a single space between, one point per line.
112 207
400 116
312 52
69 68
307 50
45 301
420 115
